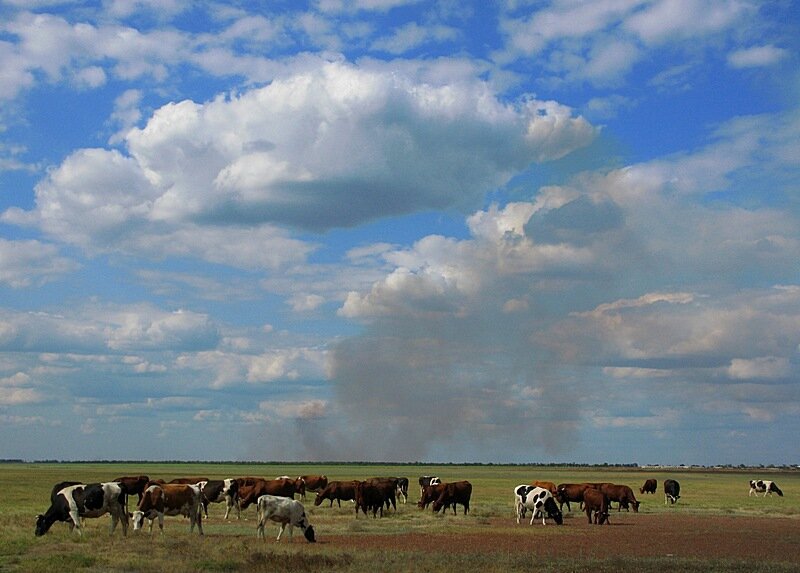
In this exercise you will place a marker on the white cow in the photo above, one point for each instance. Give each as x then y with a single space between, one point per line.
758 486
540 501
286 512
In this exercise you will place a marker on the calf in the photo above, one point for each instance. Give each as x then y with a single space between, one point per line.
595 501
73 502
402 488
453 493
622 494
650 486
170 499
541 501
217 491
337 490
286 512
672 491
765 487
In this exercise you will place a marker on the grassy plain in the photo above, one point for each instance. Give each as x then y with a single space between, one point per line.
441 544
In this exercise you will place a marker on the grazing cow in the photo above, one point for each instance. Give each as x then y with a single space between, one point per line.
540 501
425 481
133 485
567 492
371 495
672 491
453 493
282 487
217 491
337 490
170 499
520 493
73 502
548 485
765 487
286 512
650 486
622 494
595 501
430 494
313 483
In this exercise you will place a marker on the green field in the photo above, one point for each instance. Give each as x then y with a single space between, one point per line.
232 546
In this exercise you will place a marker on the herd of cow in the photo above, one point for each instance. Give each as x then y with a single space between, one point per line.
274 499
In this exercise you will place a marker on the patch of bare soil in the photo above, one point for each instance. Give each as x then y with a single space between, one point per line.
632 535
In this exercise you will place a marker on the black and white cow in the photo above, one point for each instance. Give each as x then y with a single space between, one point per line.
542 503
672 491
73 502
217 491
758 486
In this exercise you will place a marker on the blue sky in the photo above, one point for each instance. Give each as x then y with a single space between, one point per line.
517 231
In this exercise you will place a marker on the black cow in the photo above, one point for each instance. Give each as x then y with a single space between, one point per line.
672 491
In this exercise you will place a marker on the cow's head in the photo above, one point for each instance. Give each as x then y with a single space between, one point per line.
635 505
41 525
137 517
318 500
552 510
309 533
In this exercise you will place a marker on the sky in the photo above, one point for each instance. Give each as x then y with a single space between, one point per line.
400 230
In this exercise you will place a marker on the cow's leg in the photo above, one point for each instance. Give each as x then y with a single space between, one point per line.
160 522
76 521
280 531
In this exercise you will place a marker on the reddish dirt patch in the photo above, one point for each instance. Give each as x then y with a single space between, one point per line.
686 536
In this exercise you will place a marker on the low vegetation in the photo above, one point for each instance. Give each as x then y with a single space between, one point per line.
352 545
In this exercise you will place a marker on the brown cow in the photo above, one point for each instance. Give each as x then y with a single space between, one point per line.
595 501
453 493
650 486
281 487
133 485
371 495
430 493
314 483
622 494
548 485
567 492
170 499
337 490
187 481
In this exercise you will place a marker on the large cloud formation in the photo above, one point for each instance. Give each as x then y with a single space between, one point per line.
333 146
